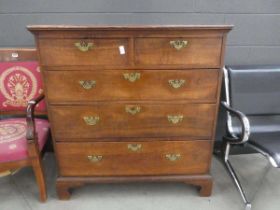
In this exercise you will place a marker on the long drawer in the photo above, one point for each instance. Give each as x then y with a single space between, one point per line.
96 52
81 86
133 158
108 120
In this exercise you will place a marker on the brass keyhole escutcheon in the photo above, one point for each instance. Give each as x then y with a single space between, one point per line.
173 157
132 109
179 44
176 83
87 84
94 158
134 147
132 77
175 119
91 120
84 46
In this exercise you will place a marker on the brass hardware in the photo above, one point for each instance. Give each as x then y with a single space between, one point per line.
176 83
84 46
94 158
132 109
178 44
175 119
173 157
87 84
132 77
134 147
91 120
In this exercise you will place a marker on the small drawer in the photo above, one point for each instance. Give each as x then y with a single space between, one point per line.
133 158
82 52
175 85
137 119
189 52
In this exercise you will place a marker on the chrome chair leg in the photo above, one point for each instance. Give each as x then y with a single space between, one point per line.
233 175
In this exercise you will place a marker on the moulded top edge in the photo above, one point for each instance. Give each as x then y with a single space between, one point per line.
127 27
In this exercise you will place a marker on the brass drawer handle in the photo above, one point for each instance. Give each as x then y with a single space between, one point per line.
91 120
84 46
133 110
94 158
87 84
132 77
134 147
178 44
176 83
175 119
173 157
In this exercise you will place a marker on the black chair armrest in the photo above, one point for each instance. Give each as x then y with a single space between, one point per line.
31 132
245 124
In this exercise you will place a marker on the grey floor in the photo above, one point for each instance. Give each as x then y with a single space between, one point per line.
19 192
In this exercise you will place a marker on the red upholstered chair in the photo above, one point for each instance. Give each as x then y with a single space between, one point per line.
22 137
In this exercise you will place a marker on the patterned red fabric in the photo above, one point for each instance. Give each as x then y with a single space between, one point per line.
13 143
19 83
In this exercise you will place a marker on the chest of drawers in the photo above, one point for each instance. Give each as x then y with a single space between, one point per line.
132 103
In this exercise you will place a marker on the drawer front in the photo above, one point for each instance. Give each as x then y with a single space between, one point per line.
192 52
133 158
62 52
82 86
109 120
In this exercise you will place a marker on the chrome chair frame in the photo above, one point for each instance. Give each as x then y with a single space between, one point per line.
242 139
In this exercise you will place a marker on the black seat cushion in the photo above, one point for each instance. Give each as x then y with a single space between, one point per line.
269 143
259 124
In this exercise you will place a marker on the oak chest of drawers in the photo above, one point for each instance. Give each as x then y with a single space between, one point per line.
132 103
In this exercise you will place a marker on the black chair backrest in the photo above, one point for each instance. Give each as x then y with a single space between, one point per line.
255 91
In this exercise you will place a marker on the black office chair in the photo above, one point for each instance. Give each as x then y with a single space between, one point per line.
253 114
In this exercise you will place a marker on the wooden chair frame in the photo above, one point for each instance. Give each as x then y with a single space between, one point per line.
34 156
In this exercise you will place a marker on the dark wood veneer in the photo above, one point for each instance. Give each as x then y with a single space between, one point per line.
151 121
79 146
199 85
199 52
57 52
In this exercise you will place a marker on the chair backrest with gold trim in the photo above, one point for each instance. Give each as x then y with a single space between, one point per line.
20 80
